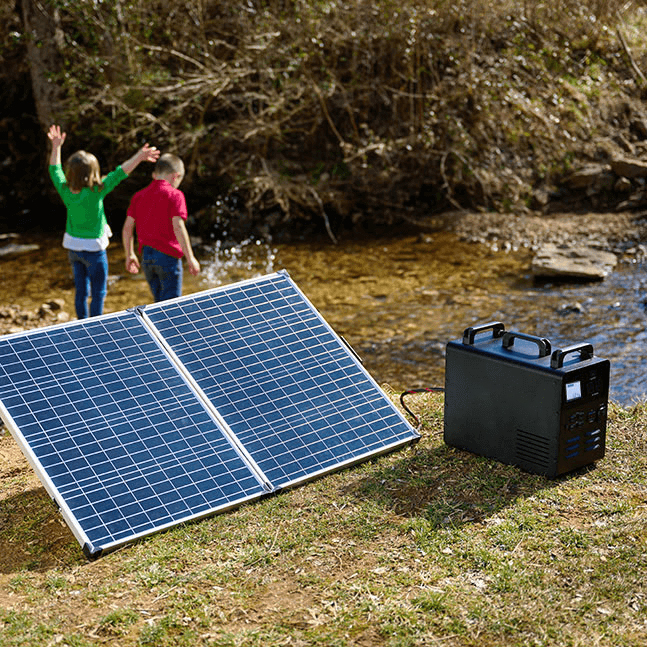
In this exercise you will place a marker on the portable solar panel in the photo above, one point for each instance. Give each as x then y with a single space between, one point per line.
284 383
143 419
116 435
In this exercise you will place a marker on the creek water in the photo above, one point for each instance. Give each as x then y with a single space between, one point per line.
397 301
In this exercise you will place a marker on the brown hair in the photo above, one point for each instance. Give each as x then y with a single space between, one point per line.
82 169
168 164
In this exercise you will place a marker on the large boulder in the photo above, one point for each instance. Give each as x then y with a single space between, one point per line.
572 262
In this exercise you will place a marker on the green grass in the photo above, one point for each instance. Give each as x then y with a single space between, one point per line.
425 546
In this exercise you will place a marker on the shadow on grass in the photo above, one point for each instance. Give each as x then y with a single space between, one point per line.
33 535
448 486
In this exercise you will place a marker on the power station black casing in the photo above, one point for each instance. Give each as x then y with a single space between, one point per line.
509 398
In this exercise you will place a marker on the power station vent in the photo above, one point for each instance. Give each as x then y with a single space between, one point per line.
532 448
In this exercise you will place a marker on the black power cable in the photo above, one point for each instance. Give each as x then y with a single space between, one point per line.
432 389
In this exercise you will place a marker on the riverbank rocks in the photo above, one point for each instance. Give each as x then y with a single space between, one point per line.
622 181
629 168
14 248
603 176
15 319
572 262
624 234
594 177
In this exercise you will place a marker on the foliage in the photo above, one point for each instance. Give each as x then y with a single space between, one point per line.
317 107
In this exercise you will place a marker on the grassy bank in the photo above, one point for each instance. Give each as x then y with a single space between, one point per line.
429 546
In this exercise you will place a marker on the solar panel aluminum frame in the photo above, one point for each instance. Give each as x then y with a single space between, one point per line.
258 483
37 466
44 478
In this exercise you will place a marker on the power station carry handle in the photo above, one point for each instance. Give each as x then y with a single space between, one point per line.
542 343
470 333
557 358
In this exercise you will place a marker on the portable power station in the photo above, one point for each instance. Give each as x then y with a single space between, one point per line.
508 397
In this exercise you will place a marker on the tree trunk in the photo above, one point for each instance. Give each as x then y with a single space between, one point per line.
44 42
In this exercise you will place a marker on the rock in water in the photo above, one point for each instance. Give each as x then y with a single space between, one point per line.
570 262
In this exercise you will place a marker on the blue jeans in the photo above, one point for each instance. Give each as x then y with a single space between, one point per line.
163 273
90 271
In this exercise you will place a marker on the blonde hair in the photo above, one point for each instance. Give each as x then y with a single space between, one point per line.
82 170
168 164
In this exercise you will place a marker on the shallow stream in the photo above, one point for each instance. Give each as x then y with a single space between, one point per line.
396 301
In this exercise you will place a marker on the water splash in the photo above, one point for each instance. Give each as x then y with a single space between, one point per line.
229 262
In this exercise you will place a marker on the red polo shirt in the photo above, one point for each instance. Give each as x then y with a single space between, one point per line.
153 209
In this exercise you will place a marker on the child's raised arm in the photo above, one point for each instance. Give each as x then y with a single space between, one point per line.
145 154
57 138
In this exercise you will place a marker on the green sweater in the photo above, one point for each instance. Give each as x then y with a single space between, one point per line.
86 217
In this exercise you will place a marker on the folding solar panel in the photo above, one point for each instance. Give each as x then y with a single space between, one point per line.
144 419
119 439
285 384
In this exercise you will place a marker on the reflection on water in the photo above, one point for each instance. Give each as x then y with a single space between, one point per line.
396 301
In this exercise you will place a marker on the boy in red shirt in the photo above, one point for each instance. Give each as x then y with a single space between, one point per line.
158 214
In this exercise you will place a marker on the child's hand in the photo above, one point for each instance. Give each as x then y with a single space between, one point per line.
132 264
145 154
56 136
148 153
193 265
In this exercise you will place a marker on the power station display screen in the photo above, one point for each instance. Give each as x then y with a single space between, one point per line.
573 390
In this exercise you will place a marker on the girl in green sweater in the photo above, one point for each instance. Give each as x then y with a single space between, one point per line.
86 231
